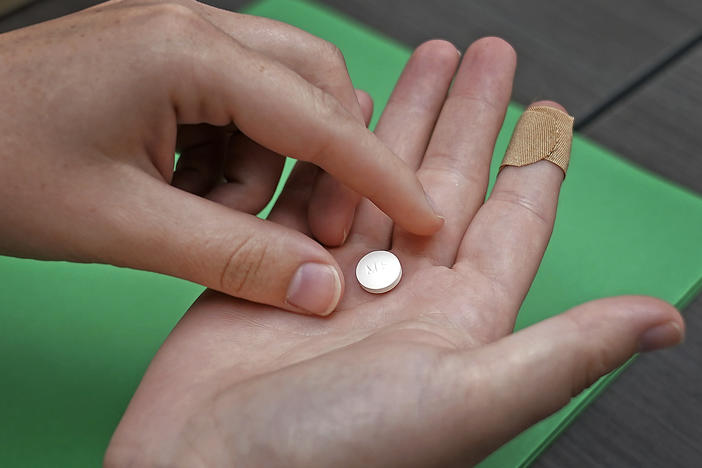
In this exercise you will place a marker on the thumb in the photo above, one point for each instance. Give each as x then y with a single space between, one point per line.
536 371
173 232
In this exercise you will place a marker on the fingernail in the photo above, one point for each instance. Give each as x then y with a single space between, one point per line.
347 231
661 336
432 205
315 288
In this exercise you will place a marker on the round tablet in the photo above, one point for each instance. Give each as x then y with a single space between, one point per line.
379 271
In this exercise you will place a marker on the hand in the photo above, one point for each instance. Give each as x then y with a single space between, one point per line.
428 374
93 104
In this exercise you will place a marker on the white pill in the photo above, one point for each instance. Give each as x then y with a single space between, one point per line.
379 271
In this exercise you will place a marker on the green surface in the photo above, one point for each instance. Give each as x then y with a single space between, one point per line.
75 339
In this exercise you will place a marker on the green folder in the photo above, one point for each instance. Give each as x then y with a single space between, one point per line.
75 339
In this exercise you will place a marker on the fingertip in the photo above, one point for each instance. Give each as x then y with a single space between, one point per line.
363 97
329 226
494 55
433 225
661 336
654 309
665 327
315 288
438 221
439 49
494 45
435 58
425 222
548 103
331 211
437 224
366 102
653 323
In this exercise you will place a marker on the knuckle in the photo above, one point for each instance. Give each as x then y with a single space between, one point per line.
331 116
328 106
242 267
593 357
172 18
596 364
444 167
329 72
328 62
177 33
333 55
523 203
479 102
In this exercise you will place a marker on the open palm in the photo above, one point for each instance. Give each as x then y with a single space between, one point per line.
427 374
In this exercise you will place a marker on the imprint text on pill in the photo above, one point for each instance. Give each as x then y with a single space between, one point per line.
379 271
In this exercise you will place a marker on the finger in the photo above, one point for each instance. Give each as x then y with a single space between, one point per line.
200 165
190 136
365 101
318 61
279 110
332 206
179 234
322 64
456 166
252 173
508 236
533 373
290 209
406 125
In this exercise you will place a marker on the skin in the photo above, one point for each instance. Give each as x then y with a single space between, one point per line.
95 104
429 374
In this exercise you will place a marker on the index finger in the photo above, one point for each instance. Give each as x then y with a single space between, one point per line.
282 111
332 208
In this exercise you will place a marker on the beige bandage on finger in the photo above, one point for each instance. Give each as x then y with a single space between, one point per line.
542 133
